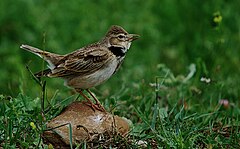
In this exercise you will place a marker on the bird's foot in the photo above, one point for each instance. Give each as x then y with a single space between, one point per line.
95 107
100 107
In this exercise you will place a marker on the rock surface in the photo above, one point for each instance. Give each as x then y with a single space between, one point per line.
86 125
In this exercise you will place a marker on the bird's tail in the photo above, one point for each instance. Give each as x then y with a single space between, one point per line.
51 58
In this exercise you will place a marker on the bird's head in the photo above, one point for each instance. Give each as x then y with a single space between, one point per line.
119 38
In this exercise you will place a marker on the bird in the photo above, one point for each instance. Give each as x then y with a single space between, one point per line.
90 65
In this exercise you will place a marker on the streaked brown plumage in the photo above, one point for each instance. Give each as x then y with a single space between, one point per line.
91 65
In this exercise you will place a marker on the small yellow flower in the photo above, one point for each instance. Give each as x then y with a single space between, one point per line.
50 146
217 18
32 125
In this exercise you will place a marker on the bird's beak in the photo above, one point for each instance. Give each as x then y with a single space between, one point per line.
132 37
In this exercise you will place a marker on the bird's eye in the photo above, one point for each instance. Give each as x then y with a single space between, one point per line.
121 36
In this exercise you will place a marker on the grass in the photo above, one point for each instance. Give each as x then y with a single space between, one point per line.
179 84
173 112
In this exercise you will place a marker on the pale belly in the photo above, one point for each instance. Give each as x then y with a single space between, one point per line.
97 78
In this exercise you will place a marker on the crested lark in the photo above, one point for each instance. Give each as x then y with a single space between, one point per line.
88 66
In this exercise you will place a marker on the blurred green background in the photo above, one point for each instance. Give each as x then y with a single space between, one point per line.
175 33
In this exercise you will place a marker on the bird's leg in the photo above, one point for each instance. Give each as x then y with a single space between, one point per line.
98 104
89 102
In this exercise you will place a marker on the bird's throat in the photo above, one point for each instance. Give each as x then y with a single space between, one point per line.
118 51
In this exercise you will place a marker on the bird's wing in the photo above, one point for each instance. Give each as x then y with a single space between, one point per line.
83 61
